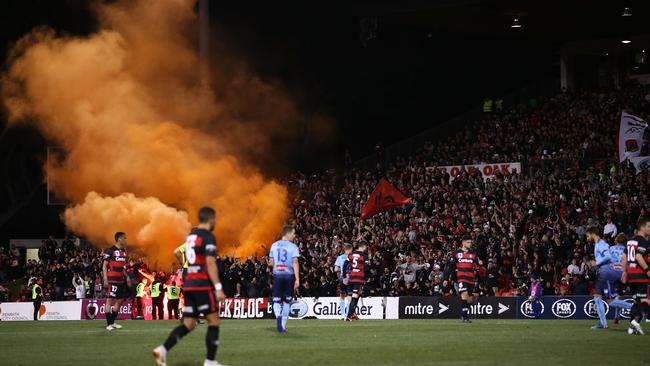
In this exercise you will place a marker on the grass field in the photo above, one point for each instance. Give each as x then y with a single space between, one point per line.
321 342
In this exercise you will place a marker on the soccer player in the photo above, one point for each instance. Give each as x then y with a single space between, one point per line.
202 289
286 275
344 299
610 271
618 250
116 279
463 265
534 294
355 268
637 273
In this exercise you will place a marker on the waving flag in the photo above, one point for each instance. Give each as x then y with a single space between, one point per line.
630 136
382 198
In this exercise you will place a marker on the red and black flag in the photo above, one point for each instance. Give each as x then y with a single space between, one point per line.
382 198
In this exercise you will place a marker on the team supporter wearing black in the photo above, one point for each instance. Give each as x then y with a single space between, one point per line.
202 289
462 268
355 268
116 280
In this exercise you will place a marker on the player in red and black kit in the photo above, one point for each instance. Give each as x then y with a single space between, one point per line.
636 273
463 266
355 268
116 280
202 288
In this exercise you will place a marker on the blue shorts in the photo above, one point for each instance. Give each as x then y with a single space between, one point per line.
608 289
283 288
343 288
608 284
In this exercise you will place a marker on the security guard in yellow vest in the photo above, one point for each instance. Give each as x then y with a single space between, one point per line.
140 292
173 293
37 297
157 296
487 105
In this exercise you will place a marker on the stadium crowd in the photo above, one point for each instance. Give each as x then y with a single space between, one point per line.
532 221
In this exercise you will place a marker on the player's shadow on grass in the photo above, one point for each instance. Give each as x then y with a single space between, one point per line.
288 334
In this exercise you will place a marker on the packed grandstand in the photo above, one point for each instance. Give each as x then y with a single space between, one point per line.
528 221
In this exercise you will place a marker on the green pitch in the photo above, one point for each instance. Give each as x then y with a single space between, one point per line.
319 342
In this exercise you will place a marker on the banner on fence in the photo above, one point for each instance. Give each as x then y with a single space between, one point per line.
328 308
246 308
488 171
570 307
50 310
553 307
450 308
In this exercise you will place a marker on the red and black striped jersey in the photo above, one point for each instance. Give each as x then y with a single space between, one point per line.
199 245
355 266
116 259
465 264
636 245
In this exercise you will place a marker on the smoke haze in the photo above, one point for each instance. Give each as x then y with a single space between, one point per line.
146 141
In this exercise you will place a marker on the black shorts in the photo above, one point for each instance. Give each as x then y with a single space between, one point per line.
118 291
465 287
639 289
355 288
199 302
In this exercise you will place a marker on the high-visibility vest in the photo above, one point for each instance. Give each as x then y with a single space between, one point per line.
498 104
86 284
181 249
173 292
487 105
155 289
140 290
34 293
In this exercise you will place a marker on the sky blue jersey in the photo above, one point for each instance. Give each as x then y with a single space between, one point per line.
601 253
283 252
340 261
616 252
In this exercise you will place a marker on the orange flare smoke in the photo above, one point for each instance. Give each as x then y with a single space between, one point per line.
127 106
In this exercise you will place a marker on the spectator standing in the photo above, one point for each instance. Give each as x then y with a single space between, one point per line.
79 286
610 230
156 289
37 297
173 293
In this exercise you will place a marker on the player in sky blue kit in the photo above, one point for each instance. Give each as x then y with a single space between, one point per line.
610 271
286 275
617 250
344 298
534 295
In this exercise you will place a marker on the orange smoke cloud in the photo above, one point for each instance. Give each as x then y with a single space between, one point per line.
146 141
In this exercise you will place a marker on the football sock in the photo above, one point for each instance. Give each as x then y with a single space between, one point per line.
353 307
175 336
212 341
600 309
277 310
113 317
108 318
342 307
621 304
286 309
345 309
465 309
